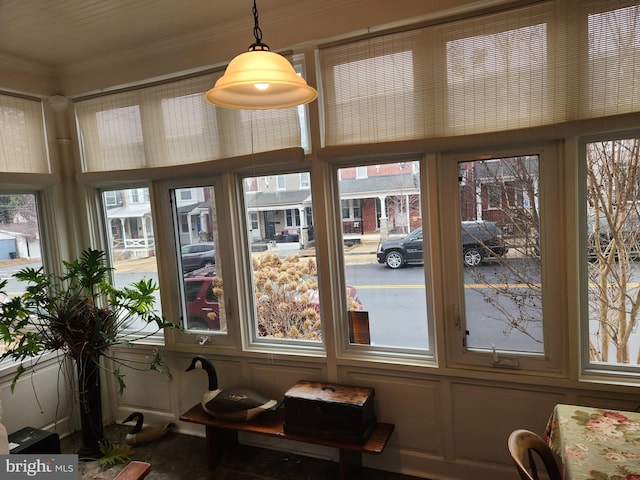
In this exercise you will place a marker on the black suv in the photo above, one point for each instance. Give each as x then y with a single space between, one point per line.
480 239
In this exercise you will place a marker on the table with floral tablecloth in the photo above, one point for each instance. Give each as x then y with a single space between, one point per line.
595 443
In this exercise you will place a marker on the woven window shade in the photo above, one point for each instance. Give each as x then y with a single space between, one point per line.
172 124
536 65
613 70
23 146
374 90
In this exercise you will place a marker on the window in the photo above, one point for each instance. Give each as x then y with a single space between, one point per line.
131 241
494 194
346 210
304 180
19 241
253 221
198 266
386 293
111 199
503 304
357 210
361 172
293 217
502 319
282 185
284 270
611 249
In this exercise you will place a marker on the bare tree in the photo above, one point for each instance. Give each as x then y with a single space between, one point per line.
613 176
18 213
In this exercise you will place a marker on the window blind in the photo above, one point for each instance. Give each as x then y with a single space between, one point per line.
23 147
535 65
613 61
172 124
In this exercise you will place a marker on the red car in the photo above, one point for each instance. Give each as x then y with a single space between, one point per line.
203 312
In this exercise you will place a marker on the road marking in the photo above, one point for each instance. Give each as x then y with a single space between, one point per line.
470 286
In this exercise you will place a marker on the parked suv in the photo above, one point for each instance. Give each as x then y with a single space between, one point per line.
197 255
480 239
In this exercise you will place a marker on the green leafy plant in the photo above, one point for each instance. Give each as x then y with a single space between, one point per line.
114 453
78 314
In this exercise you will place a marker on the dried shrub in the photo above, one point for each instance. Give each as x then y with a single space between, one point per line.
287 297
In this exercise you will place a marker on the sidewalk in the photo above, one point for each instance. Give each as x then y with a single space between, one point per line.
364 251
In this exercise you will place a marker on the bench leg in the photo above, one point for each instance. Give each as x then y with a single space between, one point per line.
217 440
350 465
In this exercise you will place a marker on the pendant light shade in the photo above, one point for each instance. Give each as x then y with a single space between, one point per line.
260 80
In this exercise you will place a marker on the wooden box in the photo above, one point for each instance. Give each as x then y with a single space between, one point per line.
328 410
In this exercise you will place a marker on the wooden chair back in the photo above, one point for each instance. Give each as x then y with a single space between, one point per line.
524 447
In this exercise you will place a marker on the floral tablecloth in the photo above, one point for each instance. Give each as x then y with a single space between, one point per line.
595 444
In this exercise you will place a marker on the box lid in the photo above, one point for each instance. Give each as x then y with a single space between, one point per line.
330 392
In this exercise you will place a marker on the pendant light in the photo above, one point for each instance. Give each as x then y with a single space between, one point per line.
260 79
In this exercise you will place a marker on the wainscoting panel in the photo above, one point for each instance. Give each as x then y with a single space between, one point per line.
42 400
484 416
275 379
148 388
413 405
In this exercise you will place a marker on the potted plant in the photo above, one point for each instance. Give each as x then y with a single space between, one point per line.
79 315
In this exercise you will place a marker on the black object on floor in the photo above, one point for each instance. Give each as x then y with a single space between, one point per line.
29 440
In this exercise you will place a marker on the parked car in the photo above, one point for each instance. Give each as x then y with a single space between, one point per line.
480 239
203 311
628 235
197 255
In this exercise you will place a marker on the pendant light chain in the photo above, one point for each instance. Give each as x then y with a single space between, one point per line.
257 32
260 79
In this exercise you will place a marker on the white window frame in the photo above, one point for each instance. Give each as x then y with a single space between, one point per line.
251 341
594 371
552 361
373 353
170 276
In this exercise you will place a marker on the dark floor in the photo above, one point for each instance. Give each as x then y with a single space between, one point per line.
182 457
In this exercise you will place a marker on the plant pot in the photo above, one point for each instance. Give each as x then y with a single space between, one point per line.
90 407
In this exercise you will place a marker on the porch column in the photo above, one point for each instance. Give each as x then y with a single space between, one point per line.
123 229
144 235
189 225
304 234
384 220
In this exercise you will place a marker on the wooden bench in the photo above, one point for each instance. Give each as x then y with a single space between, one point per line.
221 434
134 471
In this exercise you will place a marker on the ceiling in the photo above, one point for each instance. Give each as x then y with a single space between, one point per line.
82 47
56 33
